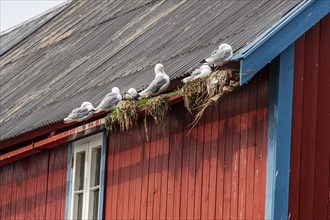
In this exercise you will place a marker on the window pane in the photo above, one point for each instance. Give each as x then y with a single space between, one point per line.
96 167
93 204
80 171
78 205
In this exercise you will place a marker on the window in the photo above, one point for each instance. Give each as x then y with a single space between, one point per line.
86 178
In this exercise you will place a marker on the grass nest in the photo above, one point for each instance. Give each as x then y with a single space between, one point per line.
127 114
111 120
195 94
220 83
158 108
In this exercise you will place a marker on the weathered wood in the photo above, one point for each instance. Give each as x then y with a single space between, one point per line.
164 172
309 123
199 167
228 157
251 149
145 173
206 163
235 154
178 142
214 139
151 175
192 173
260 149
186 148
221 159
322 157
297 120
32 190
200 175
309 177
244 128
109 178
114 198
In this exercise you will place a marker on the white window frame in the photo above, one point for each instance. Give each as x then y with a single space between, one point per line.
86 145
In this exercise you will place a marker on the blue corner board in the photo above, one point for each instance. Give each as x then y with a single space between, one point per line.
103 162
279 135
284 33
68 178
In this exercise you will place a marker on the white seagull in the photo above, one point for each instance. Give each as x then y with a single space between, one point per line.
109 101
159 84
84 112
220 56
131 94
203 71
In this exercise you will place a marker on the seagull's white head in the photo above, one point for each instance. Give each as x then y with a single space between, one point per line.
159 69
87 105
225 46
132 91
205 67
115 90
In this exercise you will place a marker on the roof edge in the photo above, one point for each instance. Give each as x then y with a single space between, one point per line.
283 33
76 132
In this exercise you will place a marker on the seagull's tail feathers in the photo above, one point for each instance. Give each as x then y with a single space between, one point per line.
96 110
203 61
144 94
187 79
67 120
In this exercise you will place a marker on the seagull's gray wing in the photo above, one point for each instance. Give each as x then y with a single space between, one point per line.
110 100
214 52
83 113
222 55
156 84
79 113
193 74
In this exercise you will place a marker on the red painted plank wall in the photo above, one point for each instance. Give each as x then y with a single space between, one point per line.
34 187
310 159
217 171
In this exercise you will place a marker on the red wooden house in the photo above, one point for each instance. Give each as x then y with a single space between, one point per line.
261 152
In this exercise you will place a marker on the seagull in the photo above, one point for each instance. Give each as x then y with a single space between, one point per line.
159 84
109 101
203 71
220 56
84 112
131 94
193 74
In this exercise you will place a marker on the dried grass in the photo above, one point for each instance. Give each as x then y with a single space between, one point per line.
127 114
111 120
220 83
195 94
158 108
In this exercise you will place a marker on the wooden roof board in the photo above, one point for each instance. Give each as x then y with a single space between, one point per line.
94 45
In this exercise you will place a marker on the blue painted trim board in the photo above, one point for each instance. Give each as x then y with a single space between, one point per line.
102 176
279 134
283 35
68 180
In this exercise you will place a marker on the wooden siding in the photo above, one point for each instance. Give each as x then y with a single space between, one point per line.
217 171
34 187
310 159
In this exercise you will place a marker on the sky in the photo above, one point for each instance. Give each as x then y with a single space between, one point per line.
13 12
